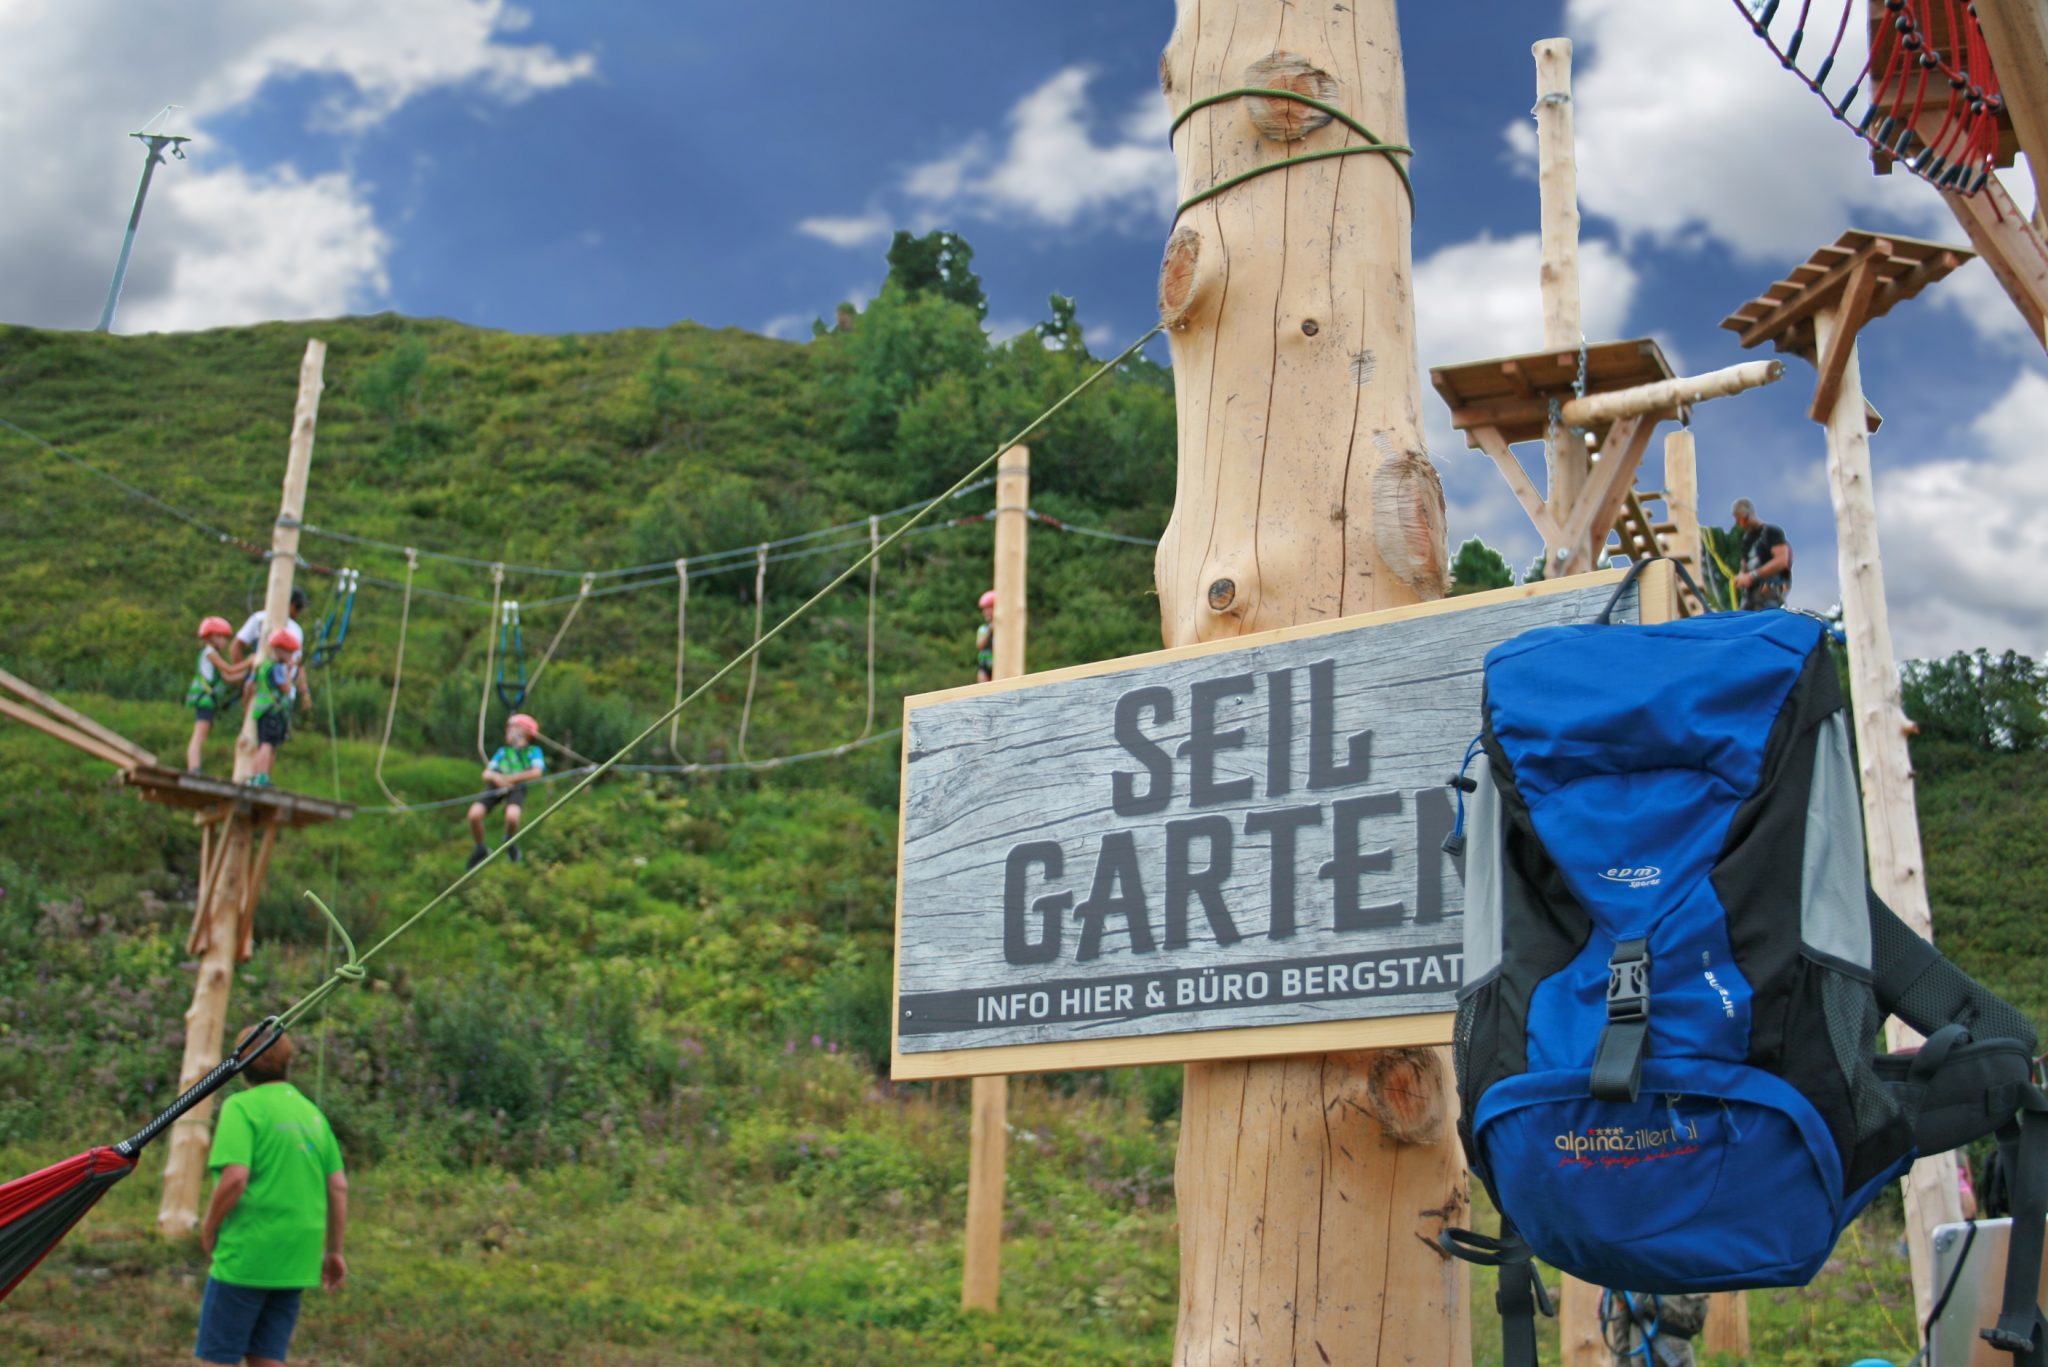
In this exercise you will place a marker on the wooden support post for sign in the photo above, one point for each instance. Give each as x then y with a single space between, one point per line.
988 1143
1311 1189
1727 1332
1891 823
234 883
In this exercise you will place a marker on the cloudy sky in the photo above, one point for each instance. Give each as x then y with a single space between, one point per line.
590 164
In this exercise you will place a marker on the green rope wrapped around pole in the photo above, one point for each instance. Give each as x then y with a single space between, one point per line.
1392 151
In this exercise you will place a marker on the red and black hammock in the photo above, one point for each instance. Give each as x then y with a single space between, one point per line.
38 1210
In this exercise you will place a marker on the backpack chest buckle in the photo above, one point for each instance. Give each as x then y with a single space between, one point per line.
1618 1064
1628 982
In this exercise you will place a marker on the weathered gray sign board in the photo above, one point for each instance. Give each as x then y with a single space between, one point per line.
1219 851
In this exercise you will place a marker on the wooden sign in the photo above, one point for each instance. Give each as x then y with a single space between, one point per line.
1218 851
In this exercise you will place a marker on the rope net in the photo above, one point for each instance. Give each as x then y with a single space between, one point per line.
1924 94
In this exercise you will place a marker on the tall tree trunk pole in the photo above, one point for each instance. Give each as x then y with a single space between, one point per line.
1557 185
229 892
1890 821
988 1142
1310 1189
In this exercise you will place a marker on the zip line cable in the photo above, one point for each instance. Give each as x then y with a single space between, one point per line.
354 968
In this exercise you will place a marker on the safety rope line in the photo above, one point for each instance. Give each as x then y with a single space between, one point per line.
354 969
874 581
533 680
682 622
483 704
412 561
754 663
1392 151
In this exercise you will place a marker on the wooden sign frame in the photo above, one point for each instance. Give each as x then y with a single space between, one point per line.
1657 603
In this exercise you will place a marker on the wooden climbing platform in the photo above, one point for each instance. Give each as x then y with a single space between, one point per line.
1512 393
176 788
273 807
1862 276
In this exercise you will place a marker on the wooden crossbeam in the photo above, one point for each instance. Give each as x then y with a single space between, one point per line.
1489 440
77 720
1667 396
1833 361
2010 246
70 735
1620 453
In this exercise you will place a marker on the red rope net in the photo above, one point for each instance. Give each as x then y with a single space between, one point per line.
1925 95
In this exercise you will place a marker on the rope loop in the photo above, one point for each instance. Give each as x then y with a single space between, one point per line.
1392 151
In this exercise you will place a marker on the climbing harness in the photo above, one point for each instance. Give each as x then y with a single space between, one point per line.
333 632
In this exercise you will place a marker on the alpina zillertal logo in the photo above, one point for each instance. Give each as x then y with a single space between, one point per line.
1620 1146
1637 876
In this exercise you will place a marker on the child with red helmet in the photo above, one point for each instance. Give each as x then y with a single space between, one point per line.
517 763
277 685
216 683
985 640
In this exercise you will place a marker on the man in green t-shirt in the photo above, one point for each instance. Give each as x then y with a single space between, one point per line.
275 1224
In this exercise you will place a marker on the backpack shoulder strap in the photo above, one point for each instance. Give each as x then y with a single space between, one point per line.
1917 983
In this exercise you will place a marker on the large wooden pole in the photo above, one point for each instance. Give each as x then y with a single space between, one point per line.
1310 1189
1890 822
1557 185
228 894
2016 33
988 1142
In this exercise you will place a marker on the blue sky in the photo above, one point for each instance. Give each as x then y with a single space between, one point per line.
598 164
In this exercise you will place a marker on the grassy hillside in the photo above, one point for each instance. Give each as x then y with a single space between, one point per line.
622 1104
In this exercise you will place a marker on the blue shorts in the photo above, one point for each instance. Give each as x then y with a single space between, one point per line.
237 1322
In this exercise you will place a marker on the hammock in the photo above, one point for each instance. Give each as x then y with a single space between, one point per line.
38 1210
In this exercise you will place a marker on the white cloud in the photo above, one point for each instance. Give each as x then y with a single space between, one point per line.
1052 167
788 326
1479 299
221 242
1963 543
852 231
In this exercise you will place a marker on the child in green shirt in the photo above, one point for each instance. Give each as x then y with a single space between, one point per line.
517 763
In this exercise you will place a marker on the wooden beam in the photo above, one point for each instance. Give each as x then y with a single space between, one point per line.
1891 824
245 943
2016 37
57 730
1590 521
1489 440
1303 495
2010 246
1833 358
1682 505
1727 1330
1810 299
1579 1340
1664 396
77 719
988 1139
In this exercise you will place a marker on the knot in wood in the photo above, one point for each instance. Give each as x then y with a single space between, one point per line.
1309 327
1222 594
1287 120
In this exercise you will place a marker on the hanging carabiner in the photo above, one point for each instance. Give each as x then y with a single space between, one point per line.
511 692
334 629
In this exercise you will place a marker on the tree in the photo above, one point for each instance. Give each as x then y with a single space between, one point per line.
1062 332
1990 702
1537 567
1478 567
939 263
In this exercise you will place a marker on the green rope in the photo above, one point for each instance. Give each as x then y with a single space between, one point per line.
1372 143
353 970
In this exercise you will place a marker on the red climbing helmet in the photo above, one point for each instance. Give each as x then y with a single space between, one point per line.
214 626
283 642
522 719
988 600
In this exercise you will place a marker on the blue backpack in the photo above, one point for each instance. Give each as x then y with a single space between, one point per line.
1675 972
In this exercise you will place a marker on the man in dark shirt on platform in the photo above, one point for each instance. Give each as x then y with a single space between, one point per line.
1766 575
